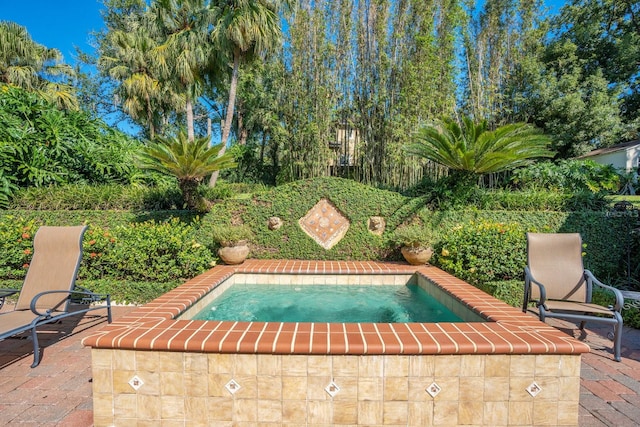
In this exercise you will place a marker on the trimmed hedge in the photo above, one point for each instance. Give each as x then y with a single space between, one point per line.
125 249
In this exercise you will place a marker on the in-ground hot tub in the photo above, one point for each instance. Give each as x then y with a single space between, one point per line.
156 366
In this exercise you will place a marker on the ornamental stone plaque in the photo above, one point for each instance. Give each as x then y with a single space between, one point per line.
325 224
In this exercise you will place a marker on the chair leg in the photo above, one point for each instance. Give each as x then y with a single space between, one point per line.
582 325
36 348
617 339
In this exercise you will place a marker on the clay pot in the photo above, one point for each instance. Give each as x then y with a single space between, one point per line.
233 255
416 256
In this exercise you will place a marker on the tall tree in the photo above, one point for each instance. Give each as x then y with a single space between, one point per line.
497 39
131 62
185 53
242 29
606 36
34 67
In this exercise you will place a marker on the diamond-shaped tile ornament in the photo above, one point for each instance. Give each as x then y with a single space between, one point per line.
325 224
534 389
232 386
136 382
332 389
433 389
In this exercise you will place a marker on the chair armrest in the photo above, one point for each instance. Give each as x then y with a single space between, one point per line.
4 292
616 292
529 279
35 299
90 295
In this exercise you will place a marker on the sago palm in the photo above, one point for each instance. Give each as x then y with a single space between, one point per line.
188 161
470 149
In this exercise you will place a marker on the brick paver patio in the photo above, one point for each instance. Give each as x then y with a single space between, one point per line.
58 391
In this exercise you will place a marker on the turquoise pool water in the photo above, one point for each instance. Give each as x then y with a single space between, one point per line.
327 303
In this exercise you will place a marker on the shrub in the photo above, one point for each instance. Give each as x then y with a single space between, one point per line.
509 291
230 235
414 236
92 197
482 252
569 176
165 251
16 246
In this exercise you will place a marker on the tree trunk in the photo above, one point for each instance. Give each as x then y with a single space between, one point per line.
243 132
190 131
226 130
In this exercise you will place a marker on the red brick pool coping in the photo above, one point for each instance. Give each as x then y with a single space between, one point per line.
507 331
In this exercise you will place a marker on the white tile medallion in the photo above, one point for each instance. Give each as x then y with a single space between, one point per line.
332 389
534 389
433 389
136 382
232 386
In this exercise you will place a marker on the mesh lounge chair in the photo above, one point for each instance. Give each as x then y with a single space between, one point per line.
560 287
49 286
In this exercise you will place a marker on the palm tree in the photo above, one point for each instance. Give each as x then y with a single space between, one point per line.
34 67
470 149
129 58
242 30
185 53
188 161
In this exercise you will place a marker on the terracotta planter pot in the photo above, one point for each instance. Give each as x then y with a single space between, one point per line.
233 254
416 256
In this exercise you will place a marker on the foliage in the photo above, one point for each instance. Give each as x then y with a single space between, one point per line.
169 246
107 196
413 236
16 246
576 108
568 175
607 42
480 252
509 291
34 67
498 39
471 147
230 235
127 291
41 145
165 251
630 316
189 161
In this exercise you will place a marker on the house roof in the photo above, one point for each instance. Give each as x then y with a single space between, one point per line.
612 149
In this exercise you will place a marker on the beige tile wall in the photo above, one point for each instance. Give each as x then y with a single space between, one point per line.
189 389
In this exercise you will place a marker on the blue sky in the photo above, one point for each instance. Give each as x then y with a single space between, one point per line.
63 24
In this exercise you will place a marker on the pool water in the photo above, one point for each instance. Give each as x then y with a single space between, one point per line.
327 303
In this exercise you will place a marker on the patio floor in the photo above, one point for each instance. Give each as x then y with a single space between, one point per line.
58 391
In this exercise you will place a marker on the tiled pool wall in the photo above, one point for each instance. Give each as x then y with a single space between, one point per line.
455 306
151 369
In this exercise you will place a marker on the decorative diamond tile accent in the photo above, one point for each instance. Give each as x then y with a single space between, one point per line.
533 389
325 224
136 382
232 386
332 389
433 389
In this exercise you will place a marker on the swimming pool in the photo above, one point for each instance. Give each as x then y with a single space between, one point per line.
158 365
327 303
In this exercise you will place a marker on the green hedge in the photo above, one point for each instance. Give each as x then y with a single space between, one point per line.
125 248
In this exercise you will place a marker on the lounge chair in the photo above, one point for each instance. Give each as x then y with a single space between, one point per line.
49 286
560 287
